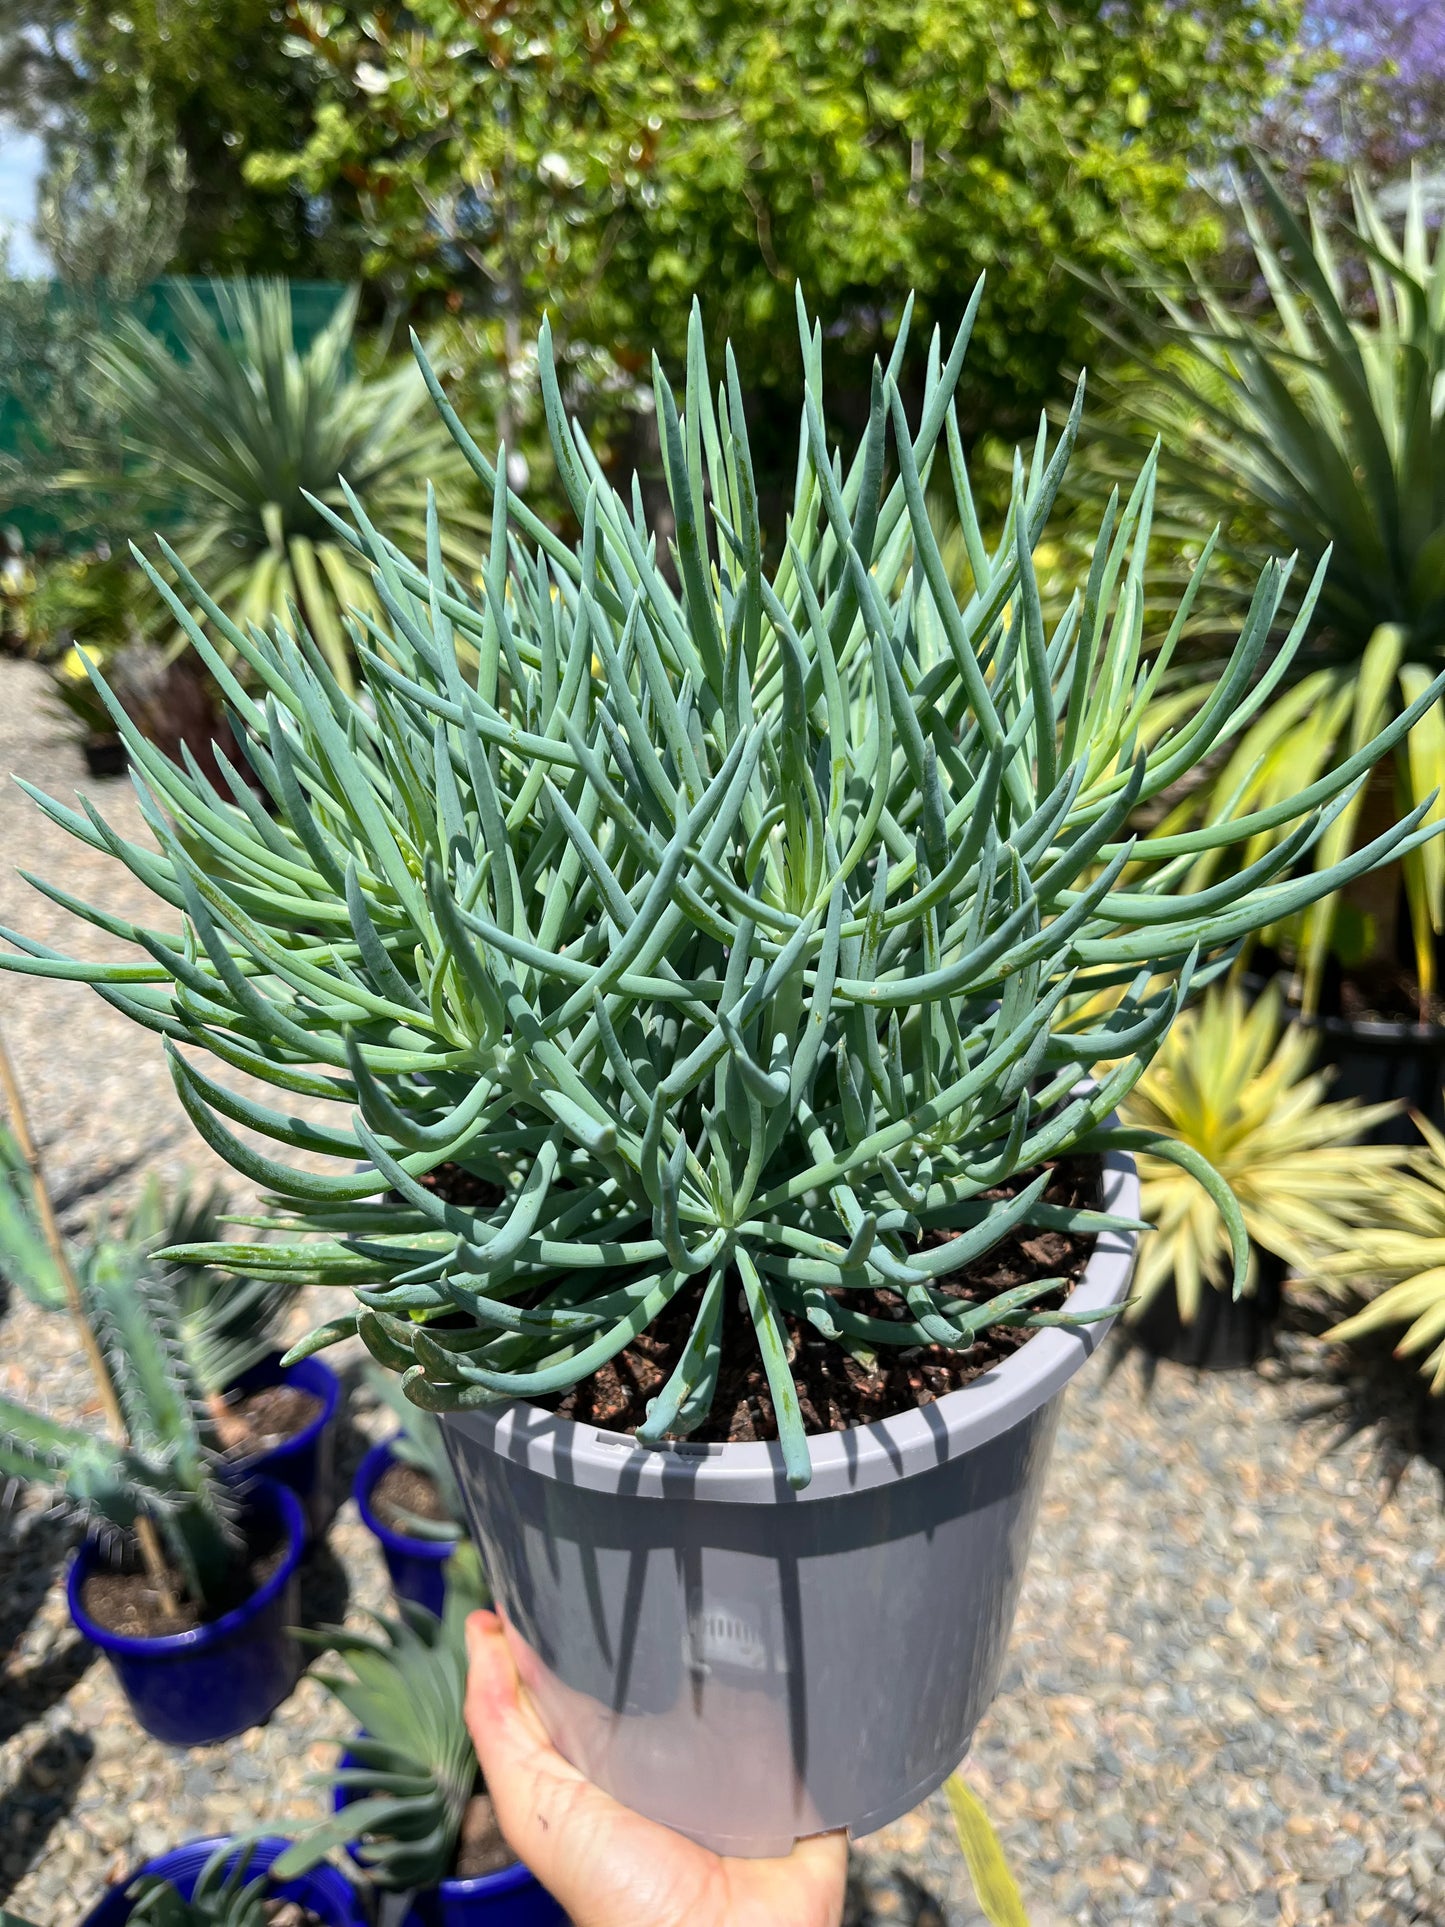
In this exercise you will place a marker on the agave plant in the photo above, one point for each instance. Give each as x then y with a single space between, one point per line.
1232 1082
222 1896
1319 426
419 1443
737 934
241 436
1395 1257
164 1470
412 1767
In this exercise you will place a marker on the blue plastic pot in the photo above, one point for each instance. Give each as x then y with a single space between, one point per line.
197 1687
511 1897
323 1890
307 1461
418 1567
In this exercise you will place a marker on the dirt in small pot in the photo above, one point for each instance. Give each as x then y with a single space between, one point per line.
835 1390
125 1599
403 1493
480 1846
249 1423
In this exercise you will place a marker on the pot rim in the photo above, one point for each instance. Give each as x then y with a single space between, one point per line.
329 1886
877 1454
375 1461
214 1631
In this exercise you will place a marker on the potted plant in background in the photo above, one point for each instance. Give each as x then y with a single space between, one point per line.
406 1493
1233 1083
1389 1263
272 1421
227 1883
409 1803
709 974
189 1585
1318 426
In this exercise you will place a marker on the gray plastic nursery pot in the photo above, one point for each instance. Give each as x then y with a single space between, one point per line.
748 1663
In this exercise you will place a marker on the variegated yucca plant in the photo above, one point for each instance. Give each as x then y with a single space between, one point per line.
739 922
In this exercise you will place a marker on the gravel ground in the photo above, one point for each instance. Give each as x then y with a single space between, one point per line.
1223 1699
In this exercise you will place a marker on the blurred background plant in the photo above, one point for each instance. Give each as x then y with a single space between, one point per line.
227 433
1311 419
224 1322
409 1775
418 1443
1392 1267
1233 1082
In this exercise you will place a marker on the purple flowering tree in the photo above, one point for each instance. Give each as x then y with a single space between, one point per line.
1377 96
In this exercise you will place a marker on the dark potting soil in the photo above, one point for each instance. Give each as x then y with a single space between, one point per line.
125 1599
1384 993
459 1186
835 1390
405 1492
259 1421
1377 991
480 1846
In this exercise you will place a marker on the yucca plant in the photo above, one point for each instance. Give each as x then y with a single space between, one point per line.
1318 425
1394 1256
738 933
222 1896
1233 1083
236 437
413 1767
165 1468
419 1443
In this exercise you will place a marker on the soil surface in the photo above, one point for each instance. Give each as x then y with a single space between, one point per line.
836 1390
405 1492
480 1846
460 1186
126 1601
259 1421
1384 993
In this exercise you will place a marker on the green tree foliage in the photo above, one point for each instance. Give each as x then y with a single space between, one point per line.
610 160
218 72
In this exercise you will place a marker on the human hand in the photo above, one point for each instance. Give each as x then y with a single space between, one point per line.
608 1866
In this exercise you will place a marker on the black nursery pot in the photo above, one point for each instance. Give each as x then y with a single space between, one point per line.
1379 1062
1226 1334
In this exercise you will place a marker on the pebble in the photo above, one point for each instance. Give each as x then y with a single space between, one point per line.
1224 1695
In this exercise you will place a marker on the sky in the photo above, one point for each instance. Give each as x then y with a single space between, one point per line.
20 158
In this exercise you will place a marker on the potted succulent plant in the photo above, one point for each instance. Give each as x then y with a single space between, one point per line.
409 1802
227 1883
277 1422
187 1583
406 1493
1234 1083
712 975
